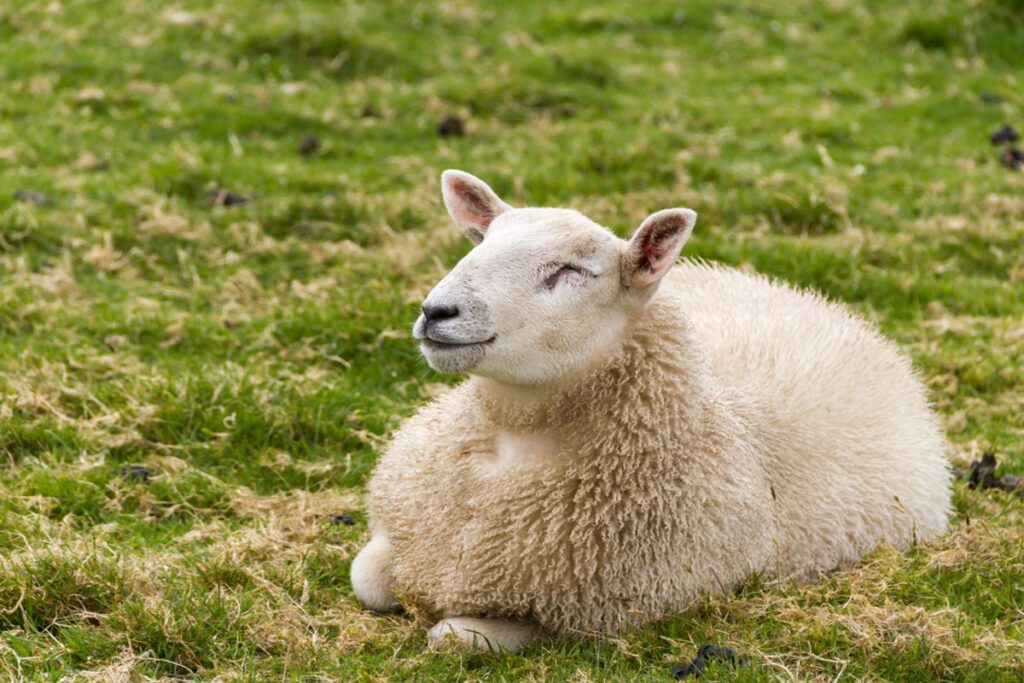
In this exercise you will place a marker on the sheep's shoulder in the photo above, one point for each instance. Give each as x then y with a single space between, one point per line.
431 441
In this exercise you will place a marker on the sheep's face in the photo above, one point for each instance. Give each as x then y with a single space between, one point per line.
546 293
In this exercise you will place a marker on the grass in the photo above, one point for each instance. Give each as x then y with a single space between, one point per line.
254 357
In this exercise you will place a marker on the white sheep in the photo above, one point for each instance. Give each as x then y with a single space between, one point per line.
623 448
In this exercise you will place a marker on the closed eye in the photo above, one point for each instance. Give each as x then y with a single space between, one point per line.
563 273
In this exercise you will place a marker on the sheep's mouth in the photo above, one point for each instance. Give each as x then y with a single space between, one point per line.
435 345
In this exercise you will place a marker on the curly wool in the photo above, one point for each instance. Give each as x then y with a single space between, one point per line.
743 426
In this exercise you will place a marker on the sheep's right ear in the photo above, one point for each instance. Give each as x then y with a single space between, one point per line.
471 203
656 246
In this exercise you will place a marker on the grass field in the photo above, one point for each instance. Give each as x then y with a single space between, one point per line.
253 356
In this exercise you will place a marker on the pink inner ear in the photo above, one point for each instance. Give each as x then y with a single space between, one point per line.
474 206
653 243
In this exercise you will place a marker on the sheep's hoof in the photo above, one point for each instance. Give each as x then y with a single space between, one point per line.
486 635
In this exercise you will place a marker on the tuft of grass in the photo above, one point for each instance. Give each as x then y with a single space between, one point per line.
934 32
254 357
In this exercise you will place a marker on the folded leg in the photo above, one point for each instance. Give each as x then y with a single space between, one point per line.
371 576
494 635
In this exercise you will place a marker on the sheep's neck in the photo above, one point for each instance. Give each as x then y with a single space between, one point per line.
658 362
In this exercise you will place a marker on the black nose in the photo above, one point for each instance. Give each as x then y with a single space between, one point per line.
434 313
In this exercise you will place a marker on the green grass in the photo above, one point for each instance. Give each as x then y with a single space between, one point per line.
254 357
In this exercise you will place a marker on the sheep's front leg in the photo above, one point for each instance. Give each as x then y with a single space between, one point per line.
492 635
371 576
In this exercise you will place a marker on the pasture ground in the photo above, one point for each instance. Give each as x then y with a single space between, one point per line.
252 356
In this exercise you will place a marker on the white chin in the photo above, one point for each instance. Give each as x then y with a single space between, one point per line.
453 358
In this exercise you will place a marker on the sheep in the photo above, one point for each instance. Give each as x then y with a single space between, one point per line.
634 434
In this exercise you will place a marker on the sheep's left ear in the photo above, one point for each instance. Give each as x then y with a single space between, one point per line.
471 203
656 245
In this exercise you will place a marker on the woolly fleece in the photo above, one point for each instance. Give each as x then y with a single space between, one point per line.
743 426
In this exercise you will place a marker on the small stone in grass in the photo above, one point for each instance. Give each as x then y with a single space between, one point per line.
452 126
226 198
33 197
114 341
705 657
90 162
136 473
309 146
1014 482
342 519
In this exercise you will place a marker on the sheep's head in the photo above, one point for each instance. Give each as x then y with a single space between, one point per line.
546 293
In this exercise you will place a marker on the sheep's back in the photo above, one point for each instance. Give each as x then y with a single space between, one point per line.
854 451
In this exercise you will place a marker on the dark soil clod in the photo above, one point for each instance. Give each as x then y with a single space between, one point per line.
991 98
226 198
705 657
1003 135
309 146
1013 158
342 519
452 126
33 197
983 472
136 473
982 475
565 111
